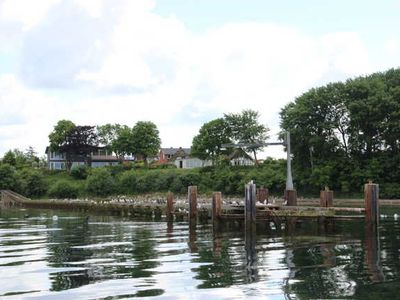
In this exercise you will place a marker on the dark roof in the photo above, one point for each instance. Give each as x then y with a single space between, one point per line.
239 153
173 151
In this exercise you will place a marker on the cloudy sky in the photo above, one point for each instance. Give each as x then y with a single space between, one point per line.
178 63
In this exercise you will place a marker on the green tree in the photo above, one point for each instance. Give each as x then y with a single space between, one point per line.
245 128
74 141
208 143
145 140
347 133
31 157
31 183
8 179
9 158
17 159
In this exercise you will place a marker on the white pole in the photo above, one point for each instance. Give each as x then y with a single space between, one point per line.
289 179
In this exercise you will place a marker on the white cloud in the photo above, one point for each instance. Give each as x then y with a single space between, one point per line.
107 61
26 12
26 116
392 46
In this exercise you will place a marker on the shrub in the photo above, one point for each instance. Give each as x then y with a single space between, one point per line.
127 182
8 179
31 183
64 189
100 182
181 182
79 172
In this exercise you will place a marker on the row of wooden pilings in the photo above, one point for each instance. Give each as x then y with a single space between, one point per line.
254 195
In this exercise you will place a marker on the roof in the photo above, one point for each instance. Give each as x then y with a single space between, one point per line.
173 151
239 153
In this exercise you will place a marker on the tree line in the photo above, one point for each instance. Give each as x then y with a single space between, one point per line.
75 141
233 128
346 133
343 134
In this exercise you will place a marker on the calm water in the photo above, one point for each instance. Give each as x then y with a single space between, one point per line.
72 257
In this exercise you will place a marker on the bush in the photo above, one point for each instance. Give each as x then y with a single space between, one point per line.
100 182
127 182
64 189
8 179
31 183
79 172
181 182
390 190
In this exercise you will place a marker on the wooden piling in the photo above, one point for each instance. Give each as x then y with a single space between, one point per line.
216 206
262 195
291 197
326 198
250 203
192 197
170 206
371 198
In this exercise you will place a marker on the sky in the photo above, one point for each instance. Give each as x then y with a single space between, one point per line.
178 63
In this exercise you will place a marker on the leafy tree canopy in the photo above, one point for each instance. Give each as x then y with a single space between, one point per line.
245 127
208 143
74 141
346 133
145 139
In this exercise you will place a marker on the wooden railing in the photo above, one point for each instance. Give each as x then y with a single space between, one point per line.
9 199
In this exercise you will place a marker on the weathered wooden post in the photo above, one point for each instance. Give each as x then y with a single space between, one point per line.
170 206
216 206
250 203
262 194
372 243
291 197
290 193
371 198
326 198
192 197
250 231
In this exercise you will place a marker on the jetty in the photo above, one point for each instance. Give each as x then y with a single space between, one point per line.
255 206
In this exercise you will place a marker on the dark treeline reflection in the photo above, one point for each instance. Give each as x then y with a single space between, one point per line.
298 259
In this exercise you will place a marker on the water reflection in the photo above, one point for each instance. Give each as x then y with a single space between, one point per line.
114 257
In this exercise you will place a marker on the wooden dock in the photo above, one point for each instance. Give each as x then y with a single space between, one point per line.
255 207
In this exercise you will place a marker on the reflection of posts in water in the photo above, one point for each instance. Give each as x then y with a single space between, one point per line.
251 254
170 228
216 220
290 225
328 255
217 242
372 253
192 235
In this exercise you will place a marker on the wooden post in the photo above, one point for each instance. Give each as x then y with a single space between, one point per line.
216 206
326 198
250 203
291 197
250 231
371 198
262 195
192 197
170 206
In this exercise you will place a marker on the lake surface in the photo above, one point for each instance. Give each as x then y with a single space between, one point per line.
72 256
